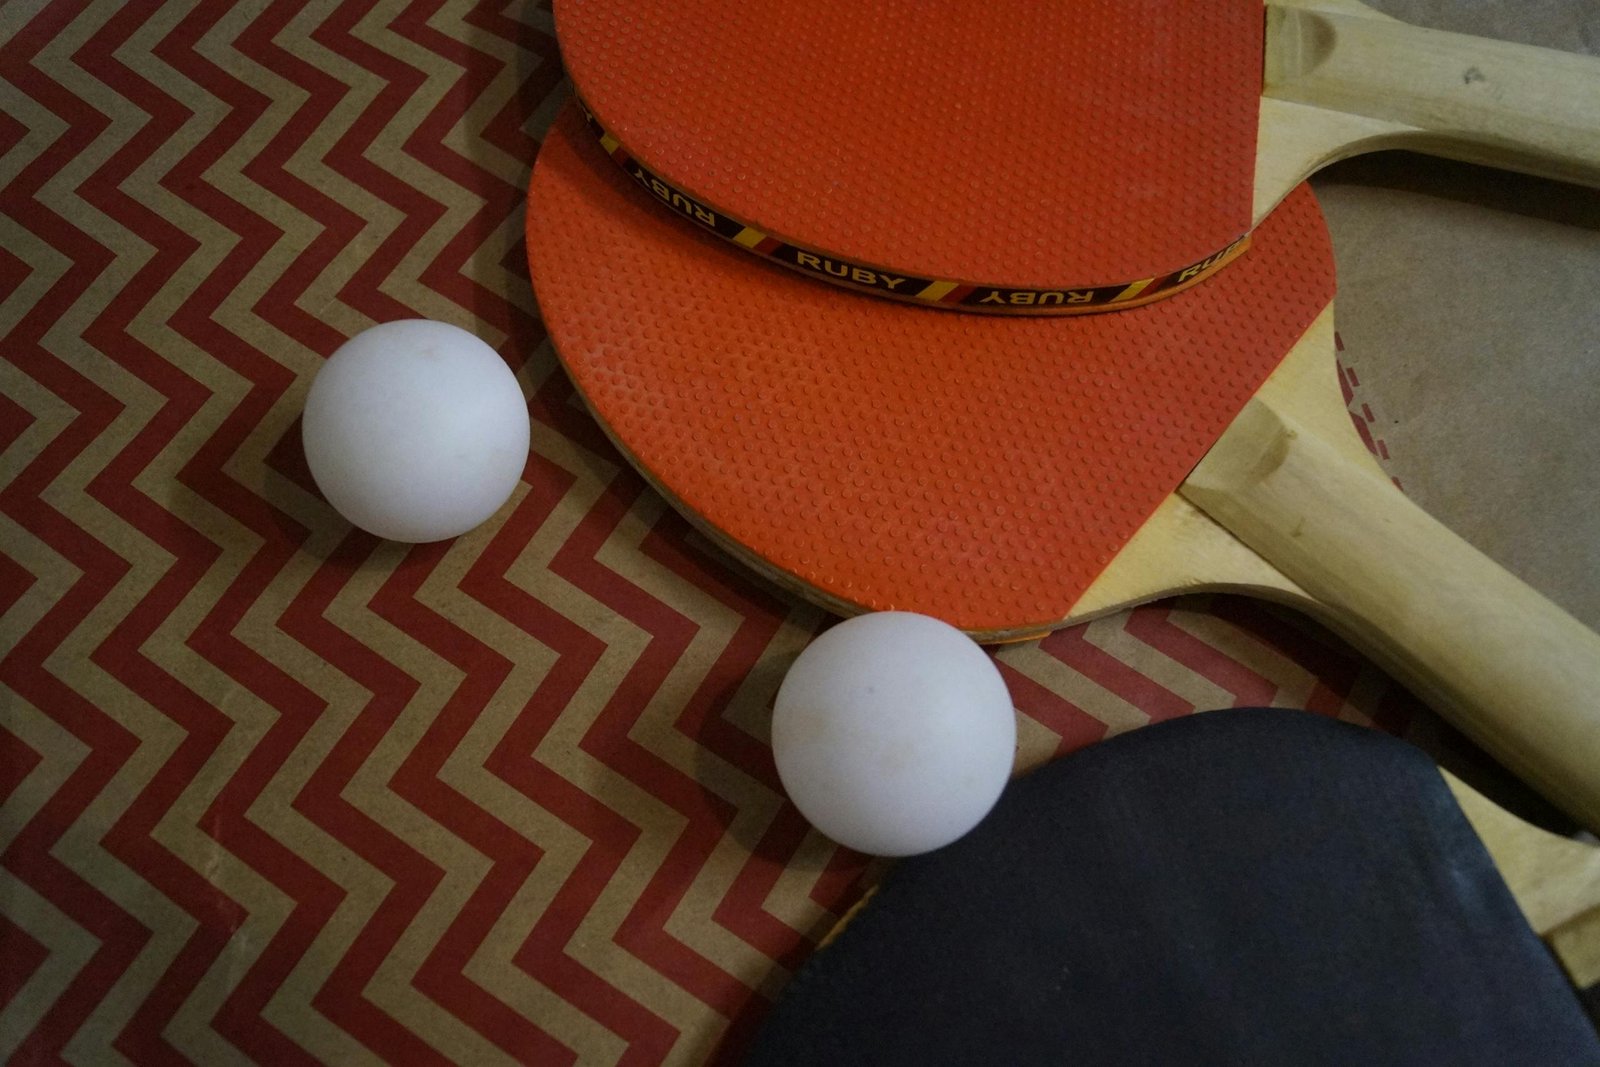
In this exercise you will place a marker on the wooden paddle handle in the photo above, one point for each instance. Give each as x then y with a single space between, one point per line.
1484 101
1512 670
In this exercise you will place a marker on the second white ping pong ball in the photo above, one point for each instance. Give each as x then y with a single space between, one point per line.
416 430
894 733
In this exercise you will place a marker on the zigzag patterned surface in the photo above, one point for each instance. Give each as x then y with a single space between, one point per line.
277 792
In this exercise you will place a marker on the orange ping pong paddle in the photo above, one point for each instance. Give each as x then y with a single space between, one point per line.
1012 475
1020 157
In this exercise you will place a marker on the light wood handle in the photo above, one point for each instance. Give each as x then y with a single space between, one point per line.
1498 103
1512 670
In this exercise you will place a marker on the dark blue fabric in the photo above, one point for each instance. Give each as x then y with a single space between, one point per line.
1242 887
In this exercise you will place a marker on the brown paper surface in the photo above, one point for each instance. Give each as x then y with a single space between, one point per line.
1469 307
273 791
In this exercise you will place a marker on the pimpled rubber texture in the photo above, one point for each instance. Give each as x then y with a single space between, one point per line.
1009 143
1252 887
982 470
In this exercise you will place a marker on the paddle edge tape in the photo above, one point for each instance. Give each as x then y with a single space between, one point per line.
911 289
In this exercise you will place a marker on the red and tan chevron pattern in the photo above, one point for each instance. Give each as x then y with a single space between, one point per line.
273 791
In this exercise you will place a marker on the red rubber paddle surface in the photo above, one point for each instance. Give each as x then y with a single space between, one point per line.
978 469
1010 142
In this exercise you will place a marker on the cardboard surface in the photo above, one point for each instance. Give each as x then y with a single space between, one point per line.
1470 313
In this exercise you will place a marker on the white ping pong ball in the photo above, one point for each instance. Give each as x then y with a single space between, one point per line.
416 430
894 733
